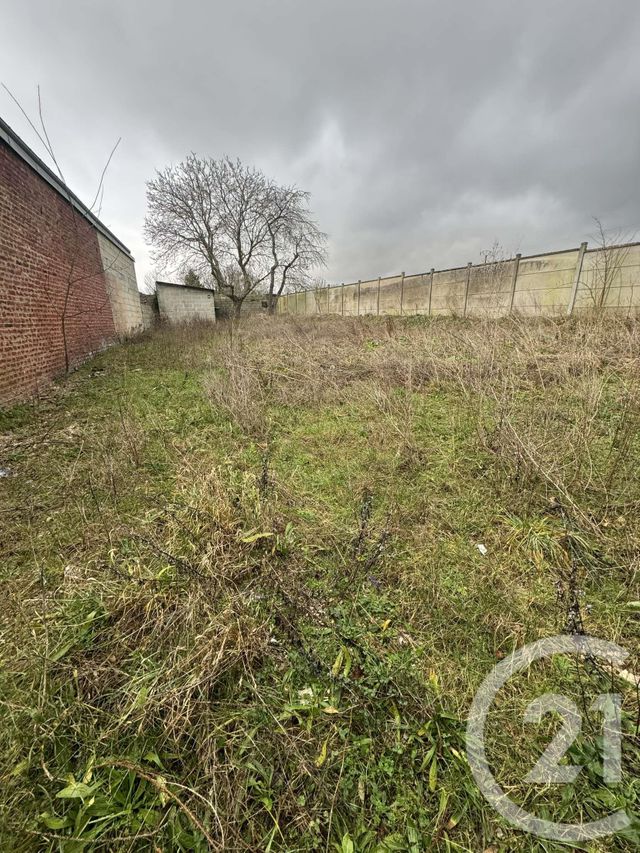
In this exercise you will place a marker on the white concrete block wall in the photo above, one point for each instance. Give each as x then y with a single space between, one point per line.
122 287
149 308
180 304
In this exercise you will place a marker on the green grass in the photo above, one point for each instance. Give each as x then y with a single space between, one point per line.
244 606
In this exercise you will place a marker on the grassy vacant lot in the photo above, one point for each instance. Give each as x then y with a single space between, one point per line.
243 602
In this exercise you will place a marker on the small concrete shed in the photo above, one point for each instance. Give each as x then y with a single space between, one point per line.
179 303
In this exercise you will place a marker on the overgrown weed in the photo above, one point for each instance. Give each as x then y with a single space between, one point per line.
245 606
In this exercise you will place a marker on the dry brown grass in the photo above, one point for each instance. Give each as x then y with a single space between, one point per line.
243 572
301 362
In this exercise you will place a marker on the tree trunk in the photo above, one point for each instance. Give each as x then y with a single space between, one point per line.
237 308
271 306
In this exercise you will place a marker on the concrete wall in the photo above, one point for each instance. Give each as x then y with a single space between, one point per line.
554 283
149 309
122 287
255 303
180 304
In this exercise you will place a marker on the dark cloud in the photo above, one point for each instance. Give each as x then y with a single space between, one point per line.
425 130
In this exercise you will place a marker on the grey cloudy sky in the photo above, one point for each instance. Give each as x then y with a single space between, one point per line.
424 130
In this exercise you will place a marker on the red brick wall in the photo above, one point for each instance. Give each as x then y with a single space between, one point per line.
49 255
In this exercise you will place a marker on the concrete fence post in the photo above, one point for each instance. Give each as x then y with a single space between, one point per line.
402 294
466 289
378 302
514 281
359 283
576 279
431 288
342 298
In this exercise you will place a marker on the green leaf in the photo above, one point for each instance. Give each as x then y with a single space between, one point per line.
391 843
347 844
347 662
337 666
53 822
253 537
320 760
62 650
141 698
428 757
433 774
442 805
413 838
20 767
76 791
153 758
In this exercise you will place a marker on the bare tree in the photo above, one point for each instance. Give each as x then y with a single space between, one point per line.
608 261
151 277
297 244
495 271
192 279
232 225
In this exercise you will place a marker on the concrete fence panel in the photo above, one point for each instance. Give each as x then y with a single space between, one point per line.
552 283
390 293
334 300
415 294
368 301
490 289
350 300
611 278
544 283
449 288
